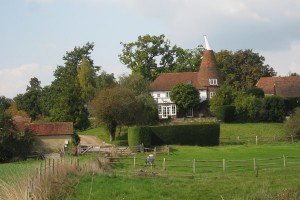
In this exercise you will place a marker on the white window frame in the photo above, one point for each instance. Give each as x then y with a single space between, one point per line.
167 94
159 110
211 94
158 95
173 109
213 81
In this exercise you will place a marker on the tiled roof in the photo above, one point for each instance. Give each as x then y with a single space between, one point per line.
47 129
268 83
20 122
200 80
165 81
287 88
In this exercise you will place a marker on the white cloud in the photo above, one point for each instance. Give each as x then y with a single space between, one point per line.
284 61
15 80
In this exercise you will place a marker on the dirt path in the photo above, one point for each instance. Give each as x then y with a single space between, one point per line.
87 140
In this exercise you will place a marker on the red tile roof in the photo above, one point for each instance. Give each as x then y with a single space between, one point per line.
20 122
287 88
268 83
200 80
47 129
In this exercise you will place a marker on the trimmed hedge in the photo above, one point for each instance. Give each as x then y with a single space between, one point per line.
191 134
139 135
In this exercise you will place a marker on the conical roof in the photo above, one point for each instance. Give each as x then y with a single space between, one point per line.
209 68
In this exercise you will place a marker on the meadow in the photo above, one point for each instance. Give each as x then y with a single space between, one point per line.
267 182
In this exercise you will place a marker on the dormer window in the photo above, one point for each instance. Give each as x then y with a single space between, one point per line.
213 81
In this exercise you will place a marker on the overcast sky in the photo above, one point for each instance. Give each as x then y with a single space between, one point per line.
35 34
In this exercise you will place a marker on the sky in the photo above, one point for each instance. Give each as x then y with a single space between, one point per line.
36 34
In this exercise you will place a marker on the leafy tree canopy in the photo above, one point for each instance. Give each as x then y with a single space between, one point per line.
152 55
243 68
185 96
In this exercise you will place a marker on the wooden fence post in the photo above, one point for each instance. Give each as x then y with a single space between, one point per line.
256 139
292 139
254 164
238 139
164 164
134 161
154 150
224 165
284 161
194 166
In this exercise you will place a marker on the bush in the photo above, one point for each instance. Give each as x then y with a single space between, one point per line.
248 108
291 103
225 113
139 135
273 109
292 124
196 134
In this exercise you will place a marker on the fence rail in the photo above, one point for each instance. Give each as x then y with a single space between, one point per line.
258 139
203 166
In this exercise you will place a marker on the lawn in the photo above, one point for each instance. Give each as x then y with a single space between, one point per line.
265 183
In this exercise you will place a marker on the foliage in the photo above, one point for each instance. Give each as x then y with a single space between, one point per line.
225 95
13 111
191 134
291 103
139 135
151 55
185 96
273 109
243 68
13 144
226 113
292 124
248 107
5 103
146 106
30 101
113 107
257 92
105 80
86 78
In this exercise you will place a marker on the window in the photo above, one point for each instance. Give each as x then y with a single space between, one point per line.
189 82
159 110
211 94
167 94
173 109
158 95
213 81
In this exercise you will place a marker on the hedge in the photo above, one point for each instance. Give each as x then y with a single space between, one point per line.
139 135
192 134
226 113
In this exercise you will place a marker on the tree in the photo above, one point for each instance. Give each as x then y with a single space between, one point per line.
136 83
185 96
113 107
293 74
292 124
151 55
243 68
225 95
273 109
87 80
105 80
30 101
5 103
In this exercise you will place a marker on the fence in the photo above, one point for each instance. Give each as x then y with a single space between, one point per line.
202 166
257 139
123 150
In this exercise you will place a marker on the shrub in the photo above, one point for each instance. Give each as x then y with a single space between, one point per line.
291 103
292 124
139 135
248 108
225 113
273 109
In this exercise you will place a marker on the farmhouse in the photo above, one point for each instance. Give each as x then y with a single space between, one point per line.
206 81
49 137
282 86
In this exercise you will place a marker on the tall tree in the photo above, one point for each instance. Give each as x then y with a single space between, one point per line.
243 68
152 55
87 80
30 101
5 103
105 80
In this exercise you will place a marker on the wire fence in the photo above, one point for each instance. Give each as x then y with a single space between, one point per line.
195 166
